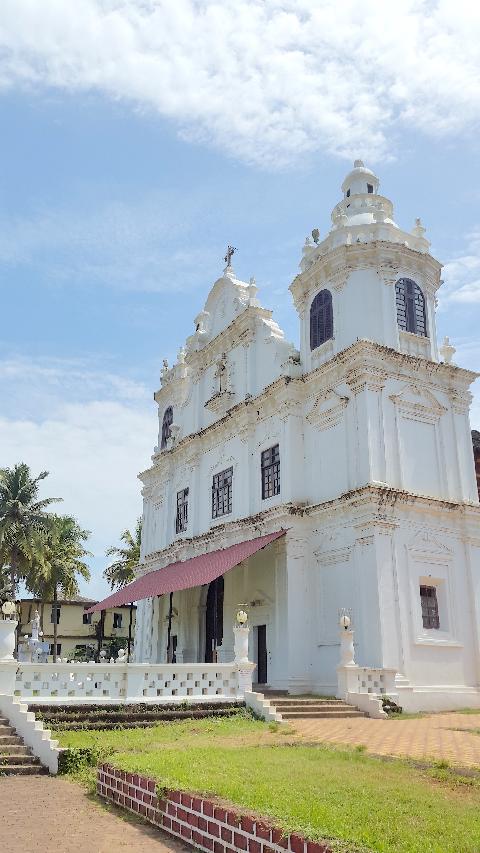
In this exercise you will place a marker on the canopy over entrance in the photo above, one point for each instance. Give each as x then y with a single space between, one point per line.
184 575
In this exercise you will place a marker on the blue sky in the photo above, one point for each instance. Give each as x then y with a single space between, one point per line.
142 137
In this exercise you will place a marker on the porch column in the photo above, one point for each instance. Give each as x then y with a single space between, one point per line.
299 610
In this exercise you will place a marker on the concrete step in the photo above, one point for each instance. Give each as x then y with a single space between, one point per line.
312 704
6 730
15 758
23 770
9 738
14 749
319 715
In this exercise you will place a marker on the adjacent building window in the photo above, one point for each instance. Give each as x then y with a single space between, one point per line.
410 307
321 319
181 519
428 598
87 618
117 620
222 493
59 648
166 424
270 465
55 615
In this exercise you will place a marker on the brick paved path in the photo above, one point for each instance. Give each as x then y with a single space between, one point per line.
432 737
51 815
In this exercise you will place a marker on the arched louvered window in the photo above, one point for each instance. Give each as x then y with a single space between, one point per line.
410 307
166 424
321 319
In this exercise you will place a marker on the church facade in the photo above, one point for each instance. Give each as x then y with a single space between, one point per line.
357 445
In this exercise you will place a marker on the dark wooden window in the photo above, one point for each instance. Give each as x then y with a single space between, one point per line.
321 319
181 518
428 598
222 493
55 615
166 424
59 648
410 307
117 620
270 465
87 618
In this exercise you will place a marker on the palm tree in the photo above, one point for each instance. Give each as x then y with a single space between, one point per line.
55 570
122 571
23 518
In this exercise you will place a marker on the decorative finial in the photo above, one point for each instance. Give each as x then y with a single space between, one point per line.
418 229
228 256
358 164
447 351
315 236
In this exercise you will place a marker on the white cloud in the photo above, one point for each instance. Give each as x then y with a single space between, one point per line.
265 81
144 245
461 275
93 448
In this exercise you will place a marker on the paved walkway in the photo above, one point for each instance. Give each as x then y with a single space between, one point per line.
51 815
433 737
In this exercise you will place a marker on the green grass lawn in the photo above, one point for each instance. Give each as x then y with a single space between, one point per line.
323 792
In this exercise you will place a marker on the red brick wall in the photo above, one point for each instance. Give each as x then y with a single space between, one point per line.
199 822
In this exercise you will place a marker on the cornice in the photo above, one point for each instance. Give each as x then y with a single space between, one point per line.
362 364
388 259
232 532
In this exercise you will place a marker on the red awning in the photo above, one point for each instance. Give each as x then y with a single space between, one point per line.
183 575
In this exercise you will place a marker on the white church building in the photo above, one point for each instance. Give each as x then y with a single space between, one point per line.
337 476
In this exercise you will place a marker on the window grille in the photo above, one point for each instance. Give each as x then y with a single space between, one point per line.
166 424
410 307
321 319
181 518
270 465
222 493
428 598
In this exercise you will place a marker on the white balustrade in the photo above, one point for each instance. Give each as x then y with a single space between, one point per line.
366 679
106 683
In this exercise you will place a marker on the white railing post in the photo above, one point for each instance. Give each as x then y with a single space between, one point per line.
8 665
245 668
347 669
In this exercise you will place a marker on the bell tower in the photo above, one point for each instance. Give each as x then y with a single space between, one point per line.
366 280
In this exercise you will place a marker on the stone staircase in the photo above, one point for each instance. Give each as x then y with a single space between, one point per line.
310 707
78 717
16 759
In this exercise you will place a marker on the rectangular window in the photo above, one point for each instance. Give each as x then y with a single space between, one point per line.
181 518
59 648
428 598
87 618
117 620
270 464
55 615
369 188
222 493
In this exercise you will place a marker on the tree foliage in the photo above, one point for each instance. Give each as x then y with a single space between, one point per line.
57 565
24 519
122 570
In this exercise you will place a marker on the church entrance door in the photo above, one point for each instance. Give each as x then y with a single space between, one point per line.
214 620
261 654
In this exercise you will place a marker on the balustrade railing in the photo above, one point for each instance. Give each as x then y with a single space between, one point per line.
131 682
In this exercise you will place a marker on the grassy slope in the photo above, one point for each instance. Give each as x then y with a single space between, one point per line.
389 807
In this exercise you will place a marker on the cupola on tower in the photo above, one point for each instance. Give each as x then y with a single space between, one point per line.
367 279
